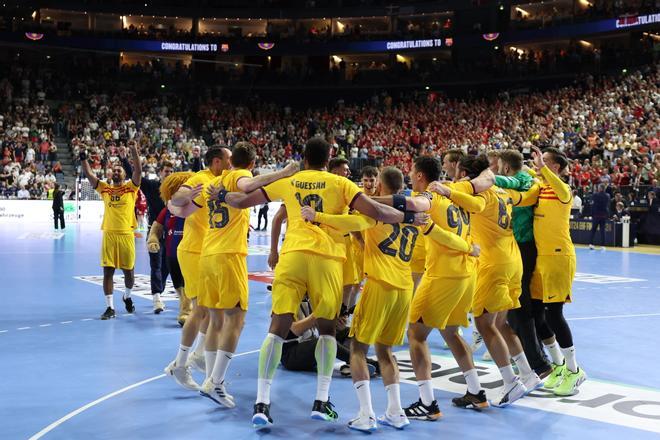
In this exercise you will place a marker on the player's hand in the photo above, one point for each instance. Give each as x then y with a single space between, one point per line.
308 213
421 219
537 155
82 155
273 259
291 169
122 152
476 250
196 191
154 248
133 146
342 322
439 188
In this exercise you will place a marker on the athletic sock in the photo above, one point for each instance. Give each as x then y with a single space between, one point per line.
394 399
325 354
425 391
127 293
523 365
199 348
209 360
555 353
156 297
507 374
364 396
269 358
569 355
472 380
222 360
109 302
182 356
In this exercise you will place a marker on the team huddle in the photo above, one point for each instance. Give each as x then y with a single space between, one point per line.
433 259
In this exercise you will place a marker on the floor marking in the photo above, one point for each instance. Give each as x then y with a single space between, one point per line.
4 331
45 325
84 408
23 328
261 302
612 316
87 319
66 322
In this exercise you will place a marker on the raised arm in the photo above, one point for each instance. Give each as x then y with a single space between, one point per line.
562 191
136 177
484 181
250 184
87 170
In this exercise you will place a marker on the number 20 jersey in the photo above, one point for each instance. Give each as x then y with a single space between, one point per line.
442 261
387 253
323 191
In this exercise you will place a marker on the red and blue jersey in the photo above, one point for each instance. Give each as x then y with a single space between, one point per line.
173 230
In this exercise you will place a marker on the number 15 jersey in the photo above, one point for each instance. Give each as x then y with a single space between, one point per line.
323 191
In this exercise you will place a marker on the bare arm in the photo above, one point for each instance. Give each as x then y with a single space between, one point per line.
416 203
242 200
276 230
182 211
377 211
87 170
250 184
137 165
484 181
300 327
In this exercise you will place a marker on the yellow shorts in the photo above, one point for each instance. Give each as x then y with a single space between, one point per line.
381 314
118 250
224 281
498 288
189 264
441 302
349 270
299 273
552 280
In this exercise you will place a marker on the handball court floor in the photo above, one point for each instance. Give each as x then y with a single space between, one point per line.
65 374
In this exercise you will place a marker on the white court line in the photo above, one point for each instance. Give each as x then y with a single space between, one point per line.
4 331
84 408
45 325
612 316
23 328
66 322
87 319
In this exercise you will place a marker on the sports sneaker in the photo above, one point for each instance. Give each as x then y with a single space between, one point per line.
182 376
108 314
512 392
363 423
592 247
324 411
487 357
197 361
472 401
419 411
158 306
397 421
128 302
261 416
477 341
556 377
532 382
569 386
217 393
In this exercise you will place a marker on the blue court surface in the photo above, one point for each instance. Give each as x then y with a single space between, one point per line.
68 375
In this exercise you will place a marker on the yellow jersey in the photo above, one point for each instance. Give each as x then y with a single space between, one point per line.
442 261
492 228
325 192
552 200
119 203
388 251
227 231
196 225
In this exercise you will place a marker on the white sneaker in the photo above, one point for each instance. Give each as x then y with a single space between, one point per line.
398 421
197 362
217 393
487 357
532 382
477 341
592 247
158 306
511 392
602 248
182 376
364 423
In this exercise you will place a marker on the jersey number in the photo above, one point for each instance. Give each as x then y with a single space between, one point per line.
218 215
503 218
115 198
313 200
456 218
408 237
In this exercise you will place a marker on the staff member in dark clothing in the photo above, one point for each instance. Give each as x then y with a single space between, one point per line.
600 212
151 190
263 213
58 206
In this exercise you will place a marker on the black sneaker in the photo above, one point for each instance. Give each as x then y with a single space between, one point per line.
128 302
261 416
472 401
324 411
108 314
419 411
